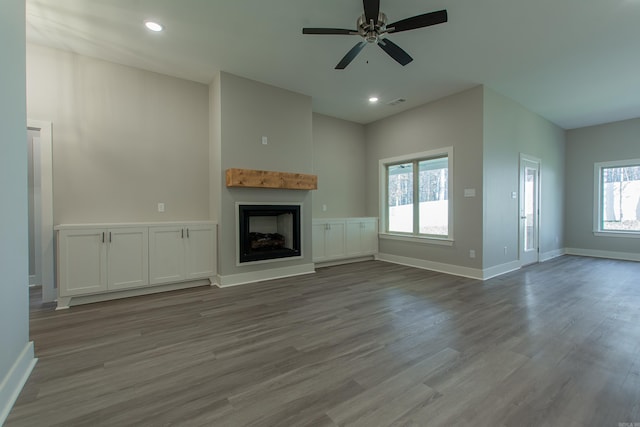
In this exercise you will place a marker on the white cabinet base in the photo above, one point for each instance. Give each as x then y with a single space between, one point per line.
66 302
345 261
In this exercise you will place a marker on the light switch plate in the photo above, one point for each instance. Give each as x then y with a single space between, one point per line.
469 192
160 207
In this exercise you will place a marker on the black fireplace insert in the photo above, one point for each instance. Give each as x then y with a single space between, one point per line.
268 232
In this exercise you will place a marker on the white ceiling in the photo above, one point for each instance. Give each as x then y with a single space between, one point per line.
575 62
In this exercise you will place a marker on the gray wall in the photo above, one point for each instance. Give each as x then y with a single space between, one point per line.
250 110
14 316
586 146
339 161
124 139
452 121
510 129
215 151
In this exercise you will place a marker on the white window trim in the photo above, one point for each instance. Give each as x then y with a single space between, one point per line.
382 186
597 211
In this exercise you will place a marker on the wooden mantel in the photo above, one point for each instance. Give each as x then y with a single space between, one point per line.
270 179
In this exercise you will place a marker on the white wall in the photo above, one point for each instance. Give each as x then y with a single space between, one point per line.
339 161
16 353
124 139
586 146
510 129
250 110
452 121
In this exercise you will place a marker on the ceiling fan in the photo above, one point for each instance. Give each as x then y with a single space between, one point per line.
372 27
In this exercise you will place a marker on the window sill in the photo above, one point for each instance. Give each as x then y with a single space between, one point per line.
416 239
627 234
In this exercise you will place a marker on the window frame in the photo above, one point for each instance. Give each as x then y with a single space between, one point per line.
598 207
383 198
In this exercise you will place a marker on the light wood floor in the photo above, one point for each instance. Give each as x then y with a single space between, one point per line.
367 344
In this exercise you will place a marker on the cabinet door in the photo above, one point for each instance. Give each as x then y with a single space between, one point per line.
82 261
127 257
166 255
200 245
334 240
318 241
353 238
369 236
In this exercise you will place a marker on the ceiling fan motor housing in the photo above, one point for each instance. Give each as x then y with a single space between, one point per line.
371 31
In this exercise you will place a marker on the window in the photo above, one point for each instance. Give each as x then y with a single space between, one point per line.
415 195
618 198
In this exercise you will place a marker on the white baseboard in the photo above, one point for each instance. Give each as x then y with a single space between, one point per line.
456 270
259 276
549 255
15 379
624 256
498 270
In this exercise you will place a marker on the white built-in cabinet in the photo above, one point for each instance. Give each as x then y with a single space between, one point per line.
328 240
343 238
361 236
102 259
95 260
179 253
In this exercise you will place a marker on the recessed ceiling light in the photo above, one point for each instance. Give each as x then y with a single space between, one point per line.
153 26
373 99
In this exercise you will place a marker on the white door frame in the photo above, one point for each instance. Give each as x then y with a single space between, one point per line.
529 257
46 208
36 277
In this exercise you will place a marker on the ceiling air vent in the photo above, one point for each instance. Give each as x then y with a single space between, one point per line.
396 101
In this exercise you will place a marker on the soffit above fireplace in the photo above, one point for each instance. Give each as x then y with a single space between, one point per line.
250 178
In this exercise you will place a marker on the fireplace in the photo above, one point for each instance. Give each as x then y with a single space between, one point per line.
268 232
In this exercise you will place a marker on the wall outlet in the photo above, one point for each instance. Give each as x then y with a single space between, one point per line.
324 208
265 140
160 207
472 253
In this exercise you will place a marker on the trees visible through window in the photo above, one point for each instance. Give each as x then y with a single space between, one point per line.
619 196
425 180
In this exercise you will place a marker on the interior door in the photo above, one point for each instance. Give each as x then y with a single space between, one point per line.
529 210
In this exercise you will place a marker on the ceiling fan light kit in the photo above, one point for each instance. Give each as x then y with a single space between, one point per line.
372 27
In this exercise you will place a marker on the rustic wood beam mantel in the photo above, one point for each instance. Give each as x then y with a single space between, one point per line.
270 179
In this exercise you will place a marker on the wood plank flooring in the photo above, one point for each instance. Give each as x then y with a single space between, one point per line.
366 344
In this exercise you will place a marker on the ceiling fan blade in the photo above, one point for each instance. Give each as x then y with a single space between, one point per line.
419 21
350 56
329 31
395 51
371 10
